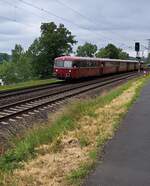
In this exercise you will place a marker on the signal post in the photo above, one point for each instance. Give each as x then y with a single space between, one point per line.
137 49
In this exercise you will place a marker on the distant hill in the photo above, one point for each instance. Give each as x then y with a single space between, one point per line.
4 56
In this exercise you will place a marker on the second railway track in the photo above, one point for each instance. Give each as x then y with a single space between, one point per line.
11 111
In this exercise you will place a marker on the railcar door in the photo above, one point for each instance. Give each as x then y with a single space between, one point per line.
134 66
103 67
83 69
117 66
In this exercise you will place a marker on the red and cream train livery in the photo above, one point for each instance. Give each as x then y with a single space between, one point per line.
68 67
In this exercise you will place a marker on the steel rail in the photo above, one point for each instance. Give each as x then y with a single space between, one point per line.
68 87
20 91
41 92
12 110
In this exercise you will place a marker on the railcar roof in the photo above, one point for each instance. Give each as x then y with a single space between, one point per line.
75 58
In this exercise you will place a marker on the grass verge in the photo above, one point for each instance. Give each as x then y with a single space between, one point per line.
83 129
27 84
77 175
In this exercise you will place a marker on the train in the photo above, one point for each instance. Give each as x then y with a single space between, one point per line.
73 67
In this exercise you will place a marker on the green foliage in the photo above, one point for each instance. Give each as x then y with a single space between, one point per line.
4 57
53 42
122 54
7 72
18 70
17 53
37 62
86 50
112 52
77 175
25 148
83 140
93 155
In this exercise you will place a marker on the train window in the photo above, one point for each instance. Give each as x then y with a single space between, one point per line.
89 64
86 64
66 64
59 64
94 64
123 64
107 64
83 64
76 64
98 64
115 63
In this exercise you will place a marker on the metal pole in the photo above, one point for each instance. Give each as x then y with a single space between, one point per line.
138 58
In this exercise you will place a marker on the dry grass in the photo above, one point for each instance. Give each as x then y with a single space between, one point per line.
70 150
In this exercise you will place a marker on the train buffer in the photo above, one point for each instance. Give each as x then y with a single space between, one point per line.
126 161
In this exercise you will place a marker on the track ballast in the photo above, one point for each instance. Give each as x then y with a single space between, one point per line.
13 110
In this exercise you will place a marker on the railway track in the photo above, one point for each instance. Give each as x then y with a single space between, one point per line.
13 110
21 91
16 95
22 94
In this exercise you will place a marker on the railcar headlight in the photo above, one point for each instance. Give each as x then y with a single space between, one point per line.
69 71
56 70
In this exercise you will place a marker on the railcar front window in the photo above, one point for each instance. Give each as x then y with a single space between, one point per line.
65 64
59 64
68 64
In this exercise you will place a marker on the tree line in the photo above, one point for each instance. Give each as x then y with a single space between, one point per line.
37 61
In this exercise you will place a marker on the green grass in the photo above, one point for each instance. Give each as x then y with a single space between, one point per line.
76 176
27 84
25 148
83 141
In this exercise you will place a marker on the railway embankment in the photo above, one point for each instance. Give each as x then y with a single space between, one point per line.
28 84
63 151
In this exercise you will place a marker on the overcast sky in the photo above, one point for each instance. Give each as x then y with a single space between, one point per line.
121 22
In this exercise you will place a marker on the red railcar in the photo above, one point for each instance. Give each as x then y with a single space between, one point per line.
68 67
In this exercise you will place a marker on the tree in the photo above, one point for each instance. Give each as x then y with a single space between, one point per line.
17 52
4 57
102 53
123 55
112 52
7 72
19 69
86 50
54 41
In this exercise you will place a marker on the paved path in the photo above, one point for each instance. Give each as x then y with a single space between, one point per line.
127 157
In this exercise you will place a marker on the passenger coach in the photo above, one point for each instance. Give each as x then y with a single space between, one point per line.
67 67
